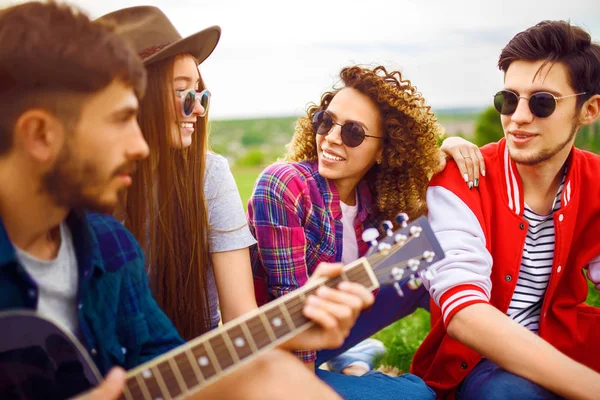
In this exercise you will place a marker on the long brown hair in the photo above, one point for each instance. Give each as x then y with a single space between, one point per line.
166 209
410 152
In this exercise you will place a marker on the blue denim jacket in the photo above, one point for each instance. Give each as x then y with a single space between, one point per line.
119 320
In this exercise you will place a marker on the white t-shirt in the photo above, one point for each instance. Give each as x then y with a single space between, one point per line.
57 281
349 244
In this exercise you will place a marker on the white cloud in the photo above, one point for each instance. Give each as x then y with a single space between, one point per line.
276 56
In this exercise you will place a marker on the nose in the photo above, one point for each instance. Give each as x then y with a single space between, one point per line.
522 114
138 148
198 109
334 135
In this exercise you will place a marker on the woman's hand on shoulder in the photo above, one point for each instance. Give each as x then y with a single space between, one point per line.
467 156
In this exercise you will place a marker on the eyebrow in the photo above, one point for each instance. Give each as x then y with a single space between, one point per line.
536 90
348 120
185 79
127 111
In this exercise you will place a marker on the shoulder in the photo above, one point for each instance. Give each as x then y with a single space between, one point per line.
287 172
116 245
216 167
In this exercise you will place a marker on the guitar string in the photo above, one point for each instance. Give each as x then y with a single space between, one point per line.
294 308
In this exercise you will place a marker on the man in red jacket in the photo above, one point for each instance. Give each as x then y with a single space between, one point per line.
510 321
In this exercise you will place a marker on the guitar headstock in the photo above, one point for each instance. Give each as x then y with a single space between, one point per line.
405 254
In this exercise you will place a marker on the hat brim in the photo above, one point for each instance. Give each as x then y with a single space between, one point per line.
200 45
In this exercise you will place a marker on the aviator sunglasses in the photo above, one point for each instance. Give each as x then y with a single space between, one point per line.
352 133
541 104
188 101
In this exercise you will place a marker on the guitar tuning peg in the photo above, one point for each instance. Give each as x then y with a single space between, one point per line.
427 274
413 264
400 238
415 230
397 274
383 247
428 255
414 283
398 289
402 219
370 236
387 227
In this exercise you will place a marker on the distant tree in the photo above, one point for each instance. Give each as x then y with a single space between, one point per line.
488 127
252 158
253 137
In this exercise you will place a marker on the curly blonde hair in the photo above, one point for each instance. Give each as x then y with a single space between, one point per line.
411 153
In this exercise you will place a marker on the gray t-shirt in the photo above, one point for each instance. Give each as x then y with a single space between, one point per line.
57 282
228 227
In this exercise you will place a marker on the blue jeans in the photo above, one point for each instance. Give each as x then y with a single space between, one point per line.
388 308
489 381
374 385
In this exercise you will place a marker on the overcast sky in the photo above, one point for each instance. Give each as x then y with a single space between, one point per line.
275 57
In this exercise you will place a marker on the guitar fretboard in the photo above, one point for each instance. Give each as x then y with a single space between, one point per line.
202 360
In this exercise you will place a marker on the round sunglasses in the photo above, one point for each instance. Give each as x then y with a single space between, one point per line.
189 98
541 104
352 133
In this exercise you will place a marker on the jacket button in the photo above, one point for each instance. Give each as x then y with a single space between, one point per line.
561 217
464 365
521 226
508 278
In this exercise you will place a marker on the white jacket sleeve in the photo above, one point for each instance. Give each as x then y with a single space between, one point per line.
462 278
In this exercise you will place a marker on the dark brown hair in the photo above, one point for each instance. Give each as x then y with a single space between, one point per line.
166 209
410 152
51 53
559 41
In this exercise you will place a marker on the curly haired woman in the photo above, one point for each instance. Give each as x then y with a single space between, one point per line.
365 153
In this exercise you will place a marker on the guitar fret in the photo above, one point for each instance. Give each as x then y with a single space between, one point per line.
229 344
287 316
344 276
260 331
249 337
178 375
239 343
203 361
161 384
127 393
169 377
267 326
276 322
142 385
213 358
194 364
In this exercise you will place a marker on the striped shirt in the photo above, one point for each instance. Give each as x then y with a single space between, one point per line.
536 266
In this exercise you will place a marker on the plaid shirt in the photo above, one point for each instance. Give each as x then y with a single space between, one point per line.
296 218
119 320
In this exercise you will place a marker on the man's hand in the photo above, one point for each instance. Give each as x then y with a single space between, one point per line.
334 311
110 389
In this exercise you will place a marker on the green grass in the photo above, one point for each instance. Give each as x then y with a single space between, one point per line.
245 179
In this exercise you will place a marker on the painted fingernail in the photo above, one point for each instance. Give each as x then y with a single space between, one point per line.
476 182
466 177
470 185
483 172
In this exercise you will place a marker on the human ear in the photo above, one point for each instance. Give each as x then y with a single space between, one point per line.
39 134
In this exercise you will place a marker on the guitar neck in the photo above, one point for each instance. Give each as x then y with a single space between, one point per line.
206 358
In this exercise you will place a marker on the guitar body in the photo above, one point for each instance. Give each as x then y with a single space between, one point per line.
39 360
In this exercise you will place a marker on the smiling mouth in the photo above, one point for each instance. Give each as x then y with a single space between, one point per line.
331 157
187 125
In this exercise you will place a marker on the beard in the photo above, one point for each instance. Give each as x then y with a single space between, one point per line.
71 184
546 154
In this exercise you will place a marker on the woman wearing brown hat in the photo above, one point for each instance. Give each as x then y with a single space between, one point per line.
184 208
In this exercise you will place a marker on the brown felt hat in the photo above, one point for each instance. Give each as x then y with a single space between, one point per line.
155 38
